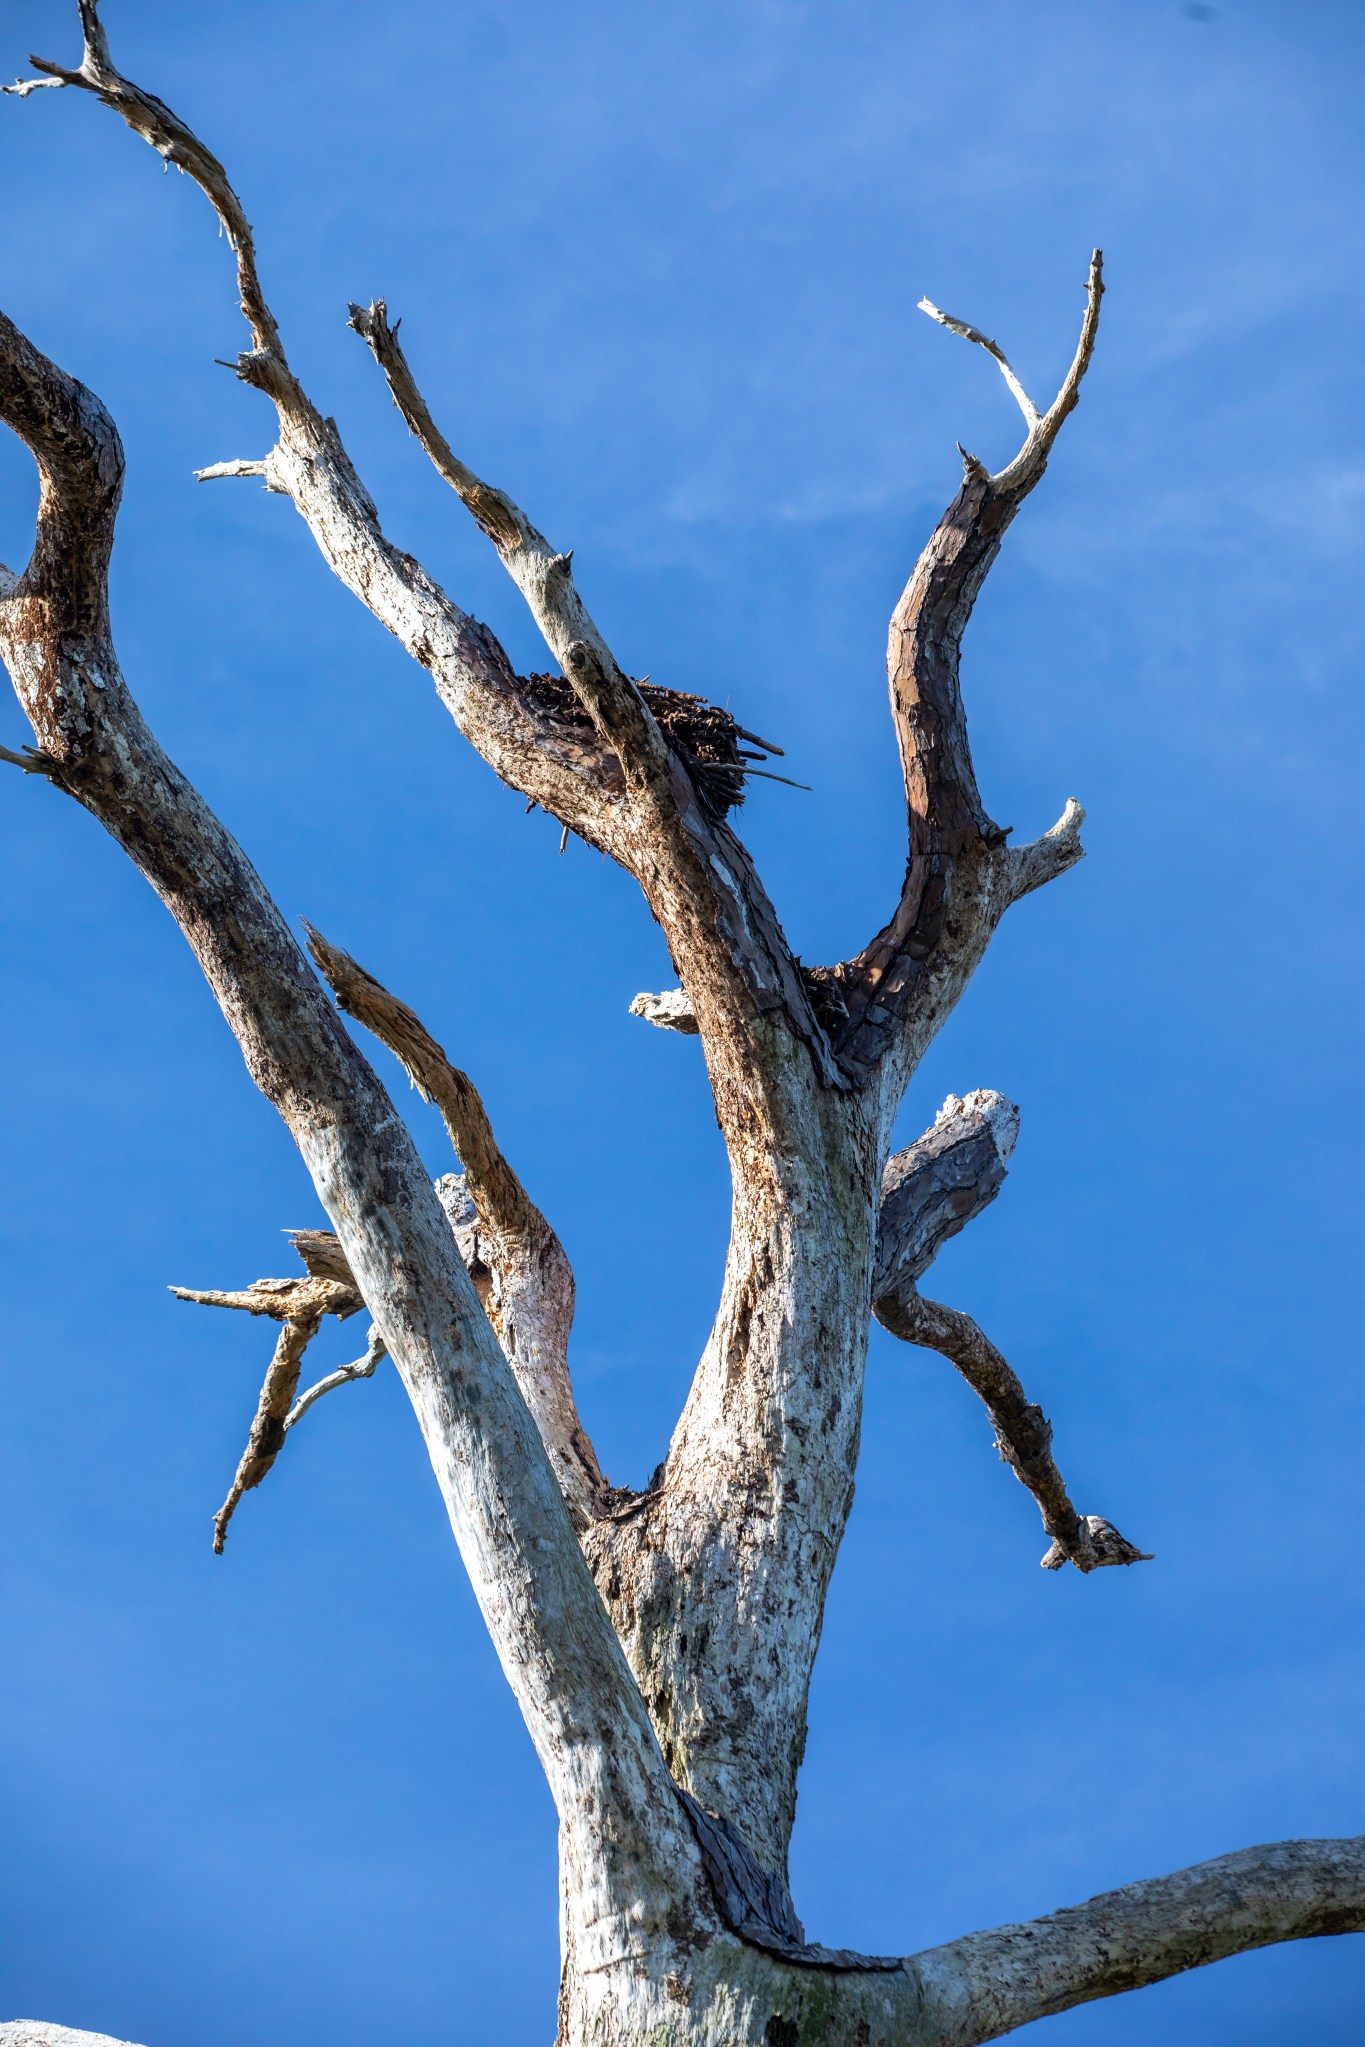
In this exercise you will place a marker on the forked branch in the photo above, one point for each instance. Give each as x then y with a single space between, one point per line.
698 879
299 1306
959 876
505 1505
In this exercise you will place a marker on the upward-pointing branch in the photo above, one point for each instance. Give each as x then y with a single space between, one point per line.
697 878
959 877
518 1263
624 1833
542 574
1026 405
309 464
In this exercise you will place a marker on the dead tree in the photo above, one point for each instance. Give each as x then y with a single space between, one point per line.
659 1643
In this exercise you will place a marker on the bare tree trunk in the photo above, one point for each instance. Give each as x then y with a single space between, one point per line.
659 1644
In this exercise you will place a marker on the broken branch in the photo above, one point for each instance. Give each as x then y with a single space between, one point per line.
518 1264
299 1305
269 1423
1023 1433
930 1191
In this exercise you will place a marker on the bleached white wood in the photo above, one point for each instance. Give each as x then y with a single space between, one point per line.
659 1643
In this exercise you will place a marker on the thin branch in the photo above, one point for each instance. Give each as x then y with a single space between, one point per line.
360 1368
239 467
1028 465
1023 1433
505 1208
22 87
504 522
299 1306
1025 403
540 571
176 144
1023 472
31 761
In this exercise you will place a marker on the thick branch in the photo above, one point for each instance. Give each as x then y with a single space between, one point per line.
527 1282
990 1983
698 879
930 1191
669 1011
505 1506
1044 859
973 1990
938 1184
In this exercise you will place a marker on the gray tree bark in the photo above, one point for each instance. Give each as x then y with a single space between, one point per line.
659 1643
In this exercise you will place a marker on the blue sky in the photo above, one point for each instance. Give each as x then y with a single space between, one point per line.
658 270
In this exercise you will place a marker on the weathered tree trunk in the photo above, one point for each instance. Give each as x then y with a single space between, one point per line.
659 1644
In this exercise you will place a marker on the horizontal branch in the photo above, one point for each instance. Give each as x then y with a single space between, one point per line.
975 1989
238 467
670 1011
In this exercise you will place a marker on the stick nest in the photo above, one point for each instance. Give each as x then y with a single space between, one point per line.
706 737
